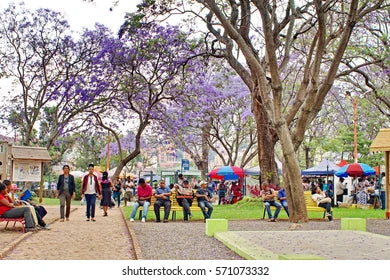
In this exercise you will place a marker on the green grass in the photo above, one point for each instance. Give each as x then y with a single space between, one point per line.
253 209
53 201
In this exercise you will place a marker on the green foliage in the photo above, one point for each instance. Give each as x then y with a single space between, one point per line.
78 188
88 151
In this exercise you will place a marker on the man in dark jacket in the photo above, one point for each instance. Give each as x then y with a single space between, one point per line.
66 189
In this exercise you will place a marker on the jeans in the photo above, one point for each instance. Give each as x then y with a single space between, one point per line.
18 212
221 195
383 199
285 206
167 207
203 204
186 204
65 198
268 205
117 195
91 202
144 209
328 207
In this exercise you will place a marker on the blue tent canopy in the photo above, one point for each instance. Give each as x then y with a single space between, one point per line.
325 167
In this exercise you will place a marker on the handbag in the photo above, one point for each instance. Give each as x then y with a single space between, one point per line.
325 200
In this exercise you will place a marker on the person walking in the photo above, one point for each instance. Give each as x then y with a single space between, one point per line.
106 192
90 189
129 186
116 194
66 190
221 192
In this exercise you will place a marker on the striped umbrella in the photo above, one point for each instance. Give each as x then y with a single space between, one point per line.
227 173
355 170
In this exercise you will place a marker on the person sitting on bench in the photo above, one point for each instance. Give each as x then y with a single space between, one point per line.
8 210
268 196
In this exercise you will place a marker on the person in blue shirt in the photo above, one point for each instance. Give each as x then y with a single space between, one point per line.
204 196
211 186
162 194
283 200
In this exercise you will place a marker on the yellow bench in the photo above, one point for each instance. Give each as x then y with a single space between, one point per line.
311 206
174 206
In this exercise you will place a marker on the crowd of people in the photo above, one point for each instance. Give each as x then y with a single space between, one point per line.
362 191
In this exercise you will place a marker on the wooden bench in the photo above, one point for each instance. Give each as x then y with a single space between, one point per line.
174 206
15 220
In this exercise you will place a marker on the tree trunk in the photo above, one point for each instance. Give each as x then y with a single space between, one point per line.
307 156
266 140
292 177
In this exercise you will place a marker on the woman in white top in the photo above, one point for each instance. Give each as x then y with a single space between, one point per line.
322 201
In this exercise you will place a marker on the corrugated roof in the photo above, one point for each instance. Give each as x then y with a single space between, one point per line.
381 142
34 153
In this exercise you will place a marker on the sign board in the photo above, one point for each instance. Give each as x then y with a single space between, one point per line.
185 164
26 171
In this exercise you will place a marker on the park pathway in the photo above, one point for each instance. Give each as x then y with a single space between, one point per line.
77 239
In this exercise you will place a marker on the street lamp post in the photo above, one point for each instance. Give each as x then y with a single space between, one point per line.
355 153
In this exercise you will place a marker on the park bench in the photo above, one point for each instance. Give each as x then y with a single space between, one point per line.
174 206
15 220
311 206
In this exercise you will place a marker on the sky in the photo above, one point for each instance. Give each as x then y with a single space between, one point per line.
84 13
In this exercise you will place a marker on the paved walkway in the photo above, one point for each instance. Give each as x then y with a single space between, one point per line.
107 238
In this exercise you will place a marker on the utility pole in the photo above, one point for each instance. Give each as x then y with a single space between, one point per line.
355 153
108 152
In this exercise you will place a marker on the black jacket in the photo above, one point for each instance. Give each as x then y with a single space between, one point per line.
60 184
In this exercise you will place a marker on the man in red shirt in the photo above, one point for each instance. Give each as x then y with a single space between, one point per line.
8 210
144 193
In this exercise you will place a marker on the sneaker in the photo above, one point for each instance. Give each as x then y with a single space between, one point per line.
143 220
32 229
47 227
328 214
131 220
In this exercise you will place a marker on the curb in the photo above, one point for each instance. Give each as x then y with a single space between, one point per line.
16 242
134 240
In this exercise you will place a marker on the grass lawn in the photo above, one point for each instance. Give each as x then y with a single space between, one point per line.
53 201
254 210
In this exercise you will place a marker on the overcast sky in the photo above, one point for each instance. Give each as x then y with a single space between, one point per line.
82 13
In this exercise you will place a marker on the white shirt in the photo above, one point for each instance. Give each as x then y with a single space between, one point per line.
90 185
